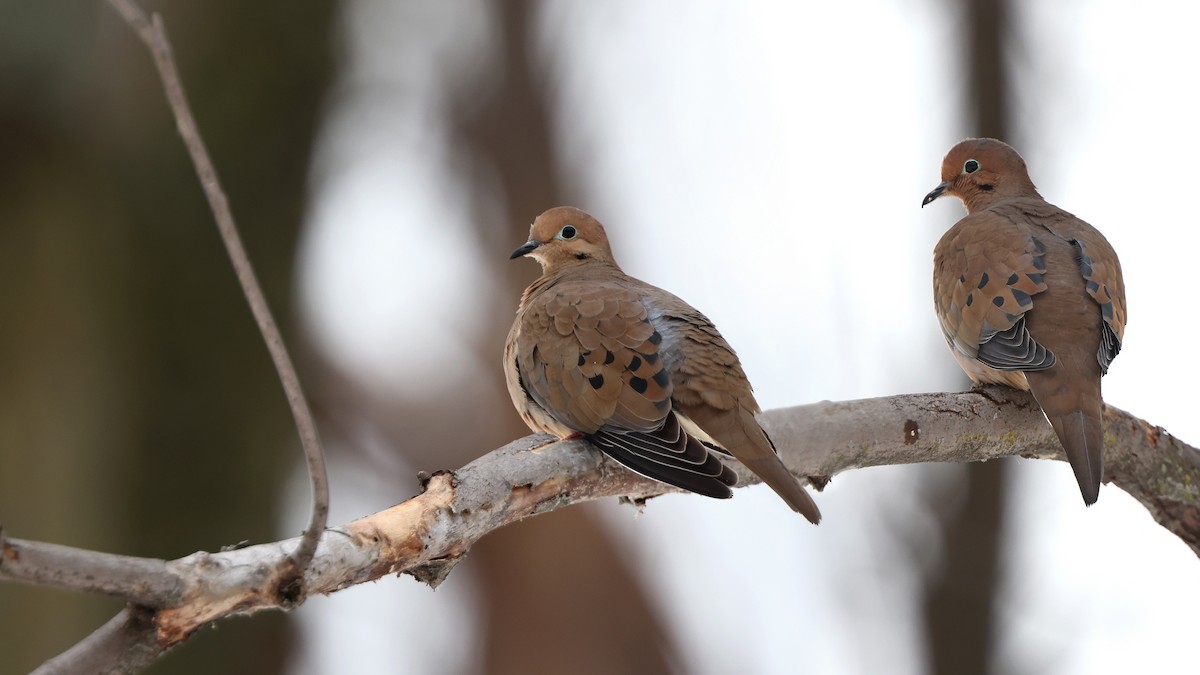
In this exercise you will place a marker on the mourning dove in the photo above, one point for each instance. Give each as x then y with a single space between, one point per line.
639 373
1028 295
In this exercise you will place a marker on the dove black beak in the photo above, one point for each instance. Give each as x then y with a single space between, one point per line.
524 250
937 192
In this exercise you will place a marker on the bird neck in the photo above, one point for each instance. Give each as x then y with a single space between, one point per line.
572 269
980 200
575 266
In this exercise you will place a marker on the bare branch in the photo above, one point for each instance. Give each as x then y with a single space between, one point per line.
125 644
428 534
141 581
152 32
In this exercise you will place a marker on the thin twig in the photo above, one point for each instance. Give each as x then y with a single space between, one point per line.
152 32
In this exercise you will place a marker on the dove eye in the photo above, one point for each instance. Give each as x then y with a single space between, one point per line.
970 166
568 232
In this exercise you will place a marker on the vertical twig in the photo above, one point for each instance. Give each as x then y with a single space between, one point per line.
154 34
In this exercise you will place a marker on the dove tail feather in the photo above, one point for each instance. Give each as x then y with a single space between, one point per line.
774 474
738 433
1081 437
668 455
1075 409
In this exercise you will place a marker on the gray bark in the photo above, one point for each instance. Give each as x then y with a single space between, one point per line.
428 534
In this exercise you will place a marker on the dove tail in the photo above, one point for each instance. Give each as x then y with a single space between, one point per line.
771 469
1074 408
1080 435
773 473
739 434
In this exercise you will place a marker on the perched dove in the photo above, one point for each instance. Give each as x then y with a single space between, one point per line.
638 372
1028 295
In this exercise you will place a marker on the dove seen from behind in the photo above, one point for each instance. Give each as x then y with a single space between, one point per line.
639 373
1030 296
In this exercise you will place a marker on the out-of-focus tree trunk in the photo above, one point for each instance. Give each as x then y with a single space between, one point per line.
565 566
138 408
960 611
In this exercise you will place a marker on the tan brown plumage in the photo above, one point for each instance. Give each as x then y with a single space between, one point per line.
638 372
1030 296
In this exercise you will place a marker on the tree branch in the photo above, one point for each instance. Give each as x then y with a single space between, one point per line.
142 581
428 534
154 34
127 643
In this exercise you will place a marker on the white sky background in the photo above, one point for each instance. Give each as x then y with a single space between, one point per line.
766 161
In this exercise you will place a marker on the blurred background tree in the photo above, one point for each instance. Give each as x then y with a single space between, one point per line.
960 592
139 412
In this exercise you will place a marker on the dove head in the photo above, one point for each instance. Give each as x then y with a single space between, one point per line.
564 236
981 171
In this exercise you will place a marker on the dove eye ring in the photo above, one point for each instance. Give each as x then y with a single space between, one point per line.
970 166
568 232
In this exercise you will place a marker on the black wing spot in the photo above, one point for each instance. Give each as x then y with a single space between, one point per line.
663 378
638 384
1092 286
635 362
983 280
609 357
1039 260
1085 263
970 299
1036 277
581 360
998 301
1013 279
1020 296
596 381
655 338
651 358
